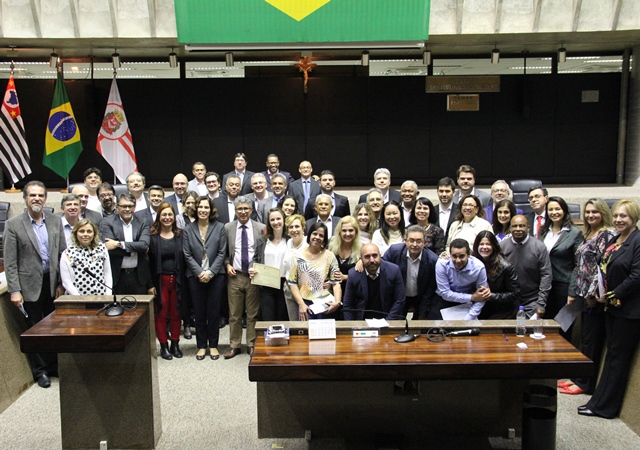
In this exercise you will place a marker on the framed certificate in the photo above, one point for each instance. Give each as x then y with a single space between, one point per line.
267 276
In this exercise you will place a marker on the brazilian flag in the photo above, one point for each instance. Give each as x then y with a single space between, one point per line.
62 141
301 21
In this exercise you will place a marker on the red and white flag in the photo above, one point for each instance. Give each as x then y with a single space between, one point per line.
14 151
114 140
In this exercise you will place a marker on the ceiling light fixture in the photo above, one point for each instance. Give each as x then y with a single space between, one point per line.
173 59
562 55
116 60
228 59
364 59
495 56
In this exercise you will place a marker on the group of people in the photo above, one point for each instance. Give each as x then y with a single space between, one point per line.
197 250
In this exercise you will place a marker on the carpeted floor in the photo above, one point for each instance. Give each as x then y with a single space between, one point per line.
212 405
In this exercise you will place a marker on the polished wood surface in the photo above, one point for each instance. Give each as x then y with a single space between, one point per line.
79 330
488 356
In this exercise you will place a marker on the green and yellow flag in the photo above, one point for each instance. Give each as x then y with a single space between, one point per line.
62 141
301 21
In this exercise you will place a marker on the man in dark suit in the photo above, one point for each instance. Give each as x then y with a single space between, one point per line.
242 237
538 198
273 168
33 244
323 215
418 267
156 198
180 184
82 193
340 202
240 170
279 189
224 202
466 176
379 287
382 180
306 188
447 209
127 239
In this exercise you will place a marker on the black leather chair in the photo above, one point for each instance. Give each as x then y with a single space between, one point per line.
574 210
4 215
611 202
520 189
120 189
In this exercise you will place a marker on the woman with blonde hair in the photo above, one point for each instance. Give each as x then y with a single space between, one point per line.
367 222
346 245
583 290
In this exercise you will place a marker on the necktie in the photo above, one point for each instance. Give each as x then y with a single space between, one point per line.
244 251
538 225
306 194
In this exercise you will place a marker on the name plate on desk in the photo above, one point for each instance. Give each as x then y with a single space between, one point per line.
322 329
372 332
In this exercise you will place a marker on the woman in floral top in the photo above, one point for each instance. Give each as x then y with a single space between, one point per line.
310 268
583 290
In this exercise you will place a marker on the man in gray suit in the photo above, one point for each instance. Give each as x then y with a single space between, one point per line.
33 243
278 189
127 239
242 238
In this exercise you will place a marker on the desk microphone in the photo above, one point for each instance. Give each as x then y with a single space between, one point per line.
469 332
406 337
113 309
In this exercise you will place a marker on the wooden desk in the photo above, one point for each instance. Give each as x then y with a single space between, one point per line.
109 387
466 386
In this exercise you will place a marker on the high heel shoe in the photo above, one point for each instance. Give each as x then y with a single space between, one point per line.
214 353
564 384
200 356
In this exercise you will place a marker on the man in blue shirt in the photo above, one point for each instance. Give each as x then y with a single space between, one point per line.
462 279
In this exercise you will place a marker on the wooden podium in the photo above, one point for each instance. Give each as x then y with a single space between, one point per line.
108 372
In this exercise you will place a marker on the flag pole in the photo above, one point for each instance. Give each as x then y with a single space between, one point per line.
65 190
13 189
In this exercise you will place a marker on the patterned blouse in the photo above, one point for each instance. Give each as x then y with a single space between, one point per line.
435 239
310 275
584 280
94 260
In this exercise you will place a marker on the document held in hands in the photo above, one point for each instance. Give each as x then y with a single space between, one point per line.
266 276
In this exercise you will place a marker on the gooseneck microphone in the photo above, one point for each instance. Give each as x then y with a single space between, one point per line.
403 338
113 309
469 332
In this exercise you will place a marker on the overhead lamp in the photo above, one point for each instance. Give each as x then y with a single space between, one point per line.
426 57
116 60
495 56
53 60
228 59
562 55
364 59
173 59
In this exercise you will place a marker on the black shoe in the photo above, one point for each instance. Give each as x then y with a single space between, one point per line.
43 381
187 332
175 349
164 352
223 322
244 322
582 408
587 412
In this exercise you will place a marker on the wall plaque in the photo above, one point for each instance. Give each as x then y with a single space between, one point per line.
440 84
465 102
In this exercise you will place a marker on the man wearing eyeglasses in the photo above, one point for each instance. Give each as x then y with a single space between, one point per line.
212 180
127 239
538 198
259 186
82 193
499 191
107 194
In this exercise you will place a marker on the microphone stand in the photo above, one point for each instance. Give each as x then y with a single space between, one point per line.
114 309
402 338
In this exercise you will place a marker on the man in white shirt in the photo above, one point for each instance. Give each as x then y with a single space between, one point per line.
538 198
382 181
447 209
93 179
324 205
135 185
197 184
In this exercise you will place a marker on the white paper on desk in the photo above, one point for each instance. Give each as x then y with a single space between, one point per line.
567 315
377 323
458 312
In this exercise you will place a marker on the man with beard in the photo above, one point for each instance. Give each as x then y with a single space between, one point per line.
180 184
33 244
107 194
378 288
